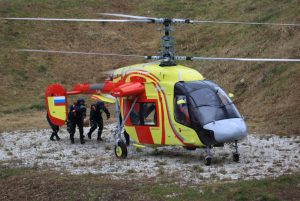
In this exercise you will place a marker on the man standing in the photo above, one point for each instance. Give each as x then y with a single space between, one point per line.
76 115
96 118
55 129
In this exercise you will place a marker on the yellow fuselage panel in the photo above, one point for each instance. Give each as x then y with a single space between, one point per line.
58 112
159 85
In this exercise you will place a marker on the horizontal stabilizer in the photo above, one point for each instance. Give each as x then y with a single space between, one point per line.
104 98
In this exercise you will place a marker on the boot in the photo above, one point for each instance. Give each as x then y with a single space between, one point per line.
89 135
52 137
82 141
72 141
99 138
57 138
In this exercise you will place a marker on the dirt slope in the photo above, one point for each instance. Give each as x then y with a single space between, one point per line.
268 94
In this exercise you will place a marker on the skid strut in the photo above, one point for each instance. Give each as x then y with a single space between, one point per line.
120 146
119 125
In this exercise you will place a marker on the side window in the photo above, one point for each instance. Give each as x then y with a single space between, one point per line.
135 115
181 110
144 114
149 111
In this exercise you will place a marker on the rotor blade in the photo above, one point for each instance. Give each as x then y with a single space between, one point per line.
236 59
78 53
126 16
175 20
246 23
79 20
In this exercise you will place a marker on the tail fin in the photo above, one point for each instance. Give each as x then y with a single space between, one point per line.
57 104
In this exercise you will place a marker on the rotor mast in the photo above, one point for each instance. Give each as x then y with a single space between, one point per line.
168 45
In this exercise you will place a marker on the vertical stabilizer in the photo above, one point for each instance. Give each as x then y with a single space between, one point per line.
57 104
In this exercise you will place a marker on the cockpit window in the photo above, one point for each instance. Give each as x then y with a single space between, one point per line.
205 97
207 102
223 96
181 111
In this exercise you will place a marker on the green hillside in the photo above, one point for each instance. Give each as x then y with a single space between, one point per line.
268 94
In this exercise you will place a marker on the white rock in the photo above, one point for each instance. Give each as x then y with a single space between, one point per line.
260 157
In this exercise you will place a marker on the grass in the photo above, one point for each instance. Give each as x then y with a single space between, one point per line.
198 168
131 171
21 183
246 190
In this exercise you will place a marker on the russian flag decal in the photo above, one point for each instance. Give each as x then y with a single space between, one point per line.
59 101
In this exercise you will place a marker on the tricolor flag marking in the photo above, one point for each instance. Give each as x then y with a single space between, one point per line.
59 101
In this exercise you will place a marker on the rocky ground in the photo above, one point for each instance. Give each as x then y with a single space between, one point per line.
261 156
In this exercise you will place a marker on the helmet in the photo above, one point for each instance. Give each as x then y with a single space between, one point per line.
80 101
100 104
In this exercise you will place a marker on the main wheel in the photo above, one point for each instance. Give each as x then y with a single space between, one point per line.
236 157
207 160
121 150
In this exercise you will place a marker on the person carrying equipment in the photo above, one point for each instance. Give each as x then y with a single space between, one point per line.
55 129
70 114
76 115
96 119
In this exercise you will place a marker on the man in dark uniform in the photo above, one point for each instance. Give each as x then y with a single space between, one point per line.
76 116
70 115
96 118
55 129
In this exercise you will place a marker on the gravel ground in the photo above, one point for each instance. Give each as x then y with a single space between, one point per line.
261 156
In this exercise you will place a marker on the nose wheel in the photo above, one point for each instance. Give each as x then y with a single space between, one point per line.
236 154
121 150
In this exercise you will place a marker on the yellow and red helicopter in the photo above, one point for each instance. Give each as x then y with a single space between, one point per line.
161 103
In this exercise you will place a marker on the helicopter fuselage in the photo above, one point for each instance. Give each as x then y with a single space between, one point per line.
177 107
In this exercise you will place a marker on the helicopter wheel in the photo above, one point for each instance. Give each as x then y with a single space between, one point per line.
207 160
235 154
121 150
208 156
236 157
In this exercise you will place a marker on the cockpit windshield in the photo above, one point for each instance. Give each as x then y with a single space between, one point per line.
207 102
205 97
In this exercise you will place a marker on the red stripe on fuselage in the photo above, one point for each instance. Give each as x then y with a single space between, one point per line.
144 134
163 137
157 84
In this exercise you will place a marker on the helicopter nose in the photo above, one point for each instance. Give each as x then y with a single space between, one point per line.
228 130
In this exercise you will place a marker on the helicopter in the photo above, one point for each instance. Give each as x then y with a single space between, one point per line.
160 103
